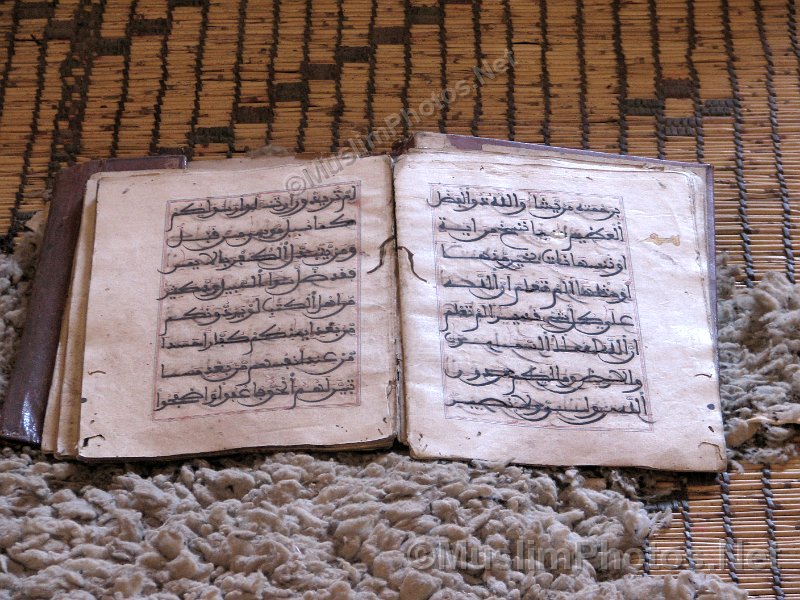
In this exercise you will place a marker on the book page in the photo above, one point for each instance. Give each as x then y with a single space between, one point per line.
53 411
556 312
75 325
67 380
225 312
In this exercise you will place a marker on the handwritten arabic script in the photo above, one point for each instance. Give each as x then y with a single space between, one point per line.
258 306
538 319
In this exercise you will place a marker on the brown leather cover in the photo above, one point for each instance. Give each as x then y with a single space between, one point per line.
22 417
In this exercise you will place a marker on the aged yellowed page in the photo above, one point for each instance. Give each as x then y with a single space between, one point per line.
50 430
75 317
69 379
556 312
225 312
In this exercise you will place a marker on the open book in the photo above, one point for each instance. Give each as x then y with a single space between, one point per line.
471 298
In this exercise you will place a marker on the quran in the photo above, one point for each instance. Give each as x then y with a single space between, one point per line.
471 298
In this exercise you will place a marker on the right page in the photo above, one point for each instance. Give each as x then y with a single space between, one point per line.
557 310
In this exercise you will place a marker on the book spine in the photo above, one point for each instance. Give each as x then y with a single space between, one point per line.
22 416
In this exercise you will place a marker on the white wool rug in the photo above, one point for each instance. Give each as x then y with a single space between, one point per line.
371 525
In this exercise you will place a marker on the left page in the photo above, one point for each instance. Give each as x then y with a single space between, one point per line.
64 398
226 312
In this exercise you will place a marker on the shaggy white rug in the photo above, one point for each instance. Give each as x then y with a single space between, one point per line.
759 351
369 525
295 525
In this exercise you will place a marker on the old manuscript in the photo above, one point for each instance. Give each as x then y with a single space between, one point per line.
473 298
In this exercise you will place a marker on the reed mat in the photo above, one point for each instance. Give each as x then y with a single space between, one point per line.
715 81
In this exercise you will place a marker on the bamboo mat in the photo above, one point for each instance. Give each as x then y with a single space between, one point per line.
740 526
715 81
